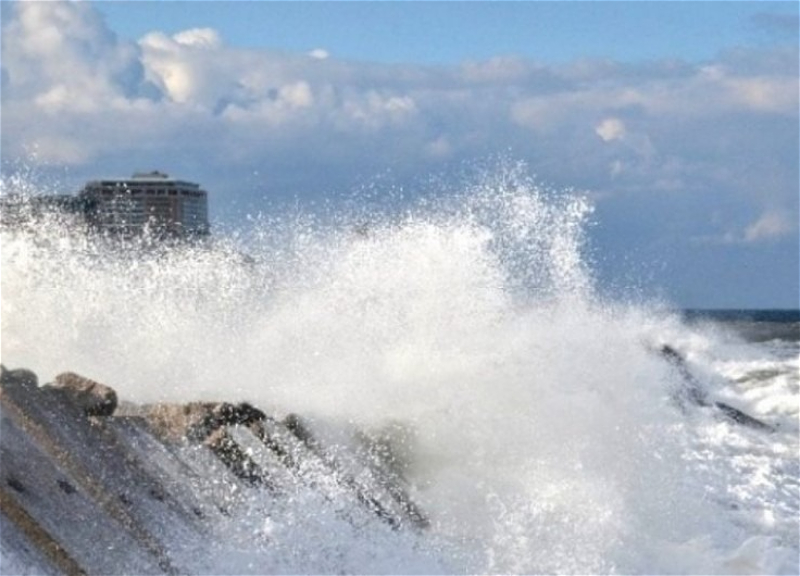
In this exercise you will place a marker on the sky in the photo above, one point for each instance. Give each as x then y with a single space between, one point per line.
678 119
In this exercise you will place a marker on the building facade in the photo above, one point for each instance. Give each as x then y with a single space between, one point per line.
19 211
148 201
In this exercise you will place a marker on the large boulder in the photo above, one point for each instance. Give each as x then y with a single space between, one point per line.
21 377
90 397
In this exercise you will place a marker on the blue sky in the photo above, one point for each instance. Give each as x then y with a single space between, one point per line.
678 119
448 32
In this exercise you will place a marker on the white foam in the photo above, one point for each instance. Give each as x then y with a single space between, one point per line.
541 428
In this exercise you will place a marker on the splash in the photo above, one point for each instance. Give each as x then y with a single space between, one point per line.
538 429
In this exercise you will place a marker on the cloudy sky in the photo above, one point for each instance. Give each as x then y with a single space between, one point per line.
678 119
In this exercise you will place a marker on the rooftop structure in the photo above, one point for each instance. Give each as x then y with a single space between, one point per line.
147 201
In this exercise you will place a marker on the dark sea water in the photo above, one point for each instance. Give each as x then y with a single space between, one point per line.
753 325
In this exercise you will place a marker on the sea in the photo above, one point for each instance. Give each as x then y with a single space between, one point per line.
546 427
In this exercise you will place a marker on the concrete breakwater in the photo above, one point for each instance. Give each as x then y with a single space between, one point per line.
90 484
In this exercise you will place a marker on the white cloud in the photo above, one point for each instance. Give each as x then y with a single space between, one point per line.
766 94
439 148
319 54
715 89
655 128
375 109
585 104
770 225
297 95
611 129
500 69
62 55
187 66
207 38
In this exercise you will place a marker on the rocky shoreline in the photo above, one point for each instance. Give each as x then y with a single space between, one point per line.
93 485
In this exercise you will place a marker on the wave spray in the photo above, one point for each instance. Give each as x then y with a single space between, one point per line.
537 427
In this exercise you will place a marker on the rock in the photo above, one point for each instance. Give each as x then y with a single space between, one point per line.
296 426
170 422
151 481
66 487
235 457
224 414
21 377
16 484
692 389
694 392
740 417
92 398
194 421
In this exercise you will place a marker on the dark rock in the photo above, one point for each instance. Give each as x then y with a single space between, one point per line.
669 353
235 458
224 414
740 417
156 494
240 414
194 421
691 390
21 377
388 453
280 450
90 397
15 484
138 482
249 413
694 392
66 487
296 426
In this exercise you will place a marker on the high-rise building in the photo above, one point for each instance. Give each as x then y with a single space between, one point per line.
20 211
147 201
